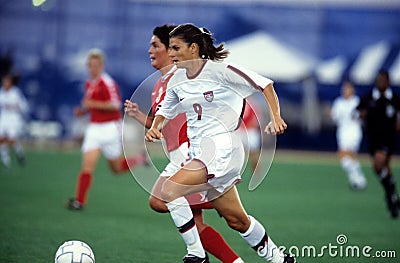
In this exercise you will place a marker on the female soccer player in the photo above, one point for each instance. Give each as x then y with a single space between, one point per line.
177 146
103 135
211 94
349 135
13 107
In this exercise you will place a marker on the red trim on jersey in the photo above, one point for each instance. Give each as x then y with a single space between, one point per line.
246 77
198 72
241 115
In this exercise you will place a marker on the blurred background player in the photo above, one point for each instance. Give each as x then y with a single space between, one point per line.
13 107
380 110
348 134
250 134
177 146
103 135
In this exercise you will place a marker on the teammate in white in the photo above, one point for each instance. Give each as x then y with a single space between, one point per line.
13 107
349 135
212 93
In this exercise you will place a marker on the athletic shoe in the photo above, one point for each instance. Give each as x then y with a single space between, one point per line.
358 183
72 204
194 259
392 201
289 259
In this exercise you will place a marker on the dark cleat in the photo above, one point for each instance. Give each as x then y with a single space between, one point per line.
194 259
289 259
392 202
72 204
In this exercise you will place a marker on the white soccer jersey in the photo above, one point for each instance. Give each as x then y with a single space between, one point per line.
212 100
13 106
343 112
349 132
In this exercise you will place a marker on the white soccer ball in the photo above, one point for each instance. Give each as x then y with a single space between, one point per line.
74 252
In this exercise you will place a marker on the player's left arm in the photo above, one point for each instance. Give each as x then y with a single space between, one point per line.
277 125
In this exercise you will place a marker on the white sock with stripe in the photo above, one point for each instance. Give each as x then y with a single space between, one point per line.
258 239
183 218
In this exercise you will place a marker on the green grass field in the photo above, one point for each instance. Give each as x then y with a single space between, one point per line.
304 201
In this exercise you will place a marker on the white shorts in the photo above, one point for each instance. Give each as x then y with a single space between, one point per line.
223 155
106 136
251 139
10 130
177 158
348 139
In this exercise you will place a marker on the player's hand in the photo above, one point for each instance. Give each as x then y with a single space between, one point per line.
88 103
276 127
131 108
78 111
152 135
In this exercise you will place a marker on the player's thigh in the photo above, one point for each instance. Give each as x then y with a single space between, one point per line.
189 179
349 140
155 200
230 207
89 159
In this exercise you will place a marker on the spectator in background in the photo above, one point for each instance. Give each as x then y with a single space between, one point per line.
13 107
349 134
103 135
380 109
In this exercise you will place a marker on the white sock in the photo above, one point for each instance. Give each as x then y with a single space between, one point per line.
258 239
347 165
19 150
183 218
5 157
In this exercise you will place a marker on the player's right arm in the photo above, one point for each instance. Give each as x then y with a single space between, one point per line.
79 111
154 133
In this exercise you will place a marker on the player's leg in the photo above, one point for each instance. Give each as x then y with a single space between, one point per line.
352 168
4 154
19 152
348 145
122 164
212 240
230 207
155 201
191 178
14 134
381 161
85 179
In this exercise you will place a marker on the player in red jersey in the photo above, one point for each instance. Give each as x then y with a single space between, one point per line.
177 147
250 134
102 101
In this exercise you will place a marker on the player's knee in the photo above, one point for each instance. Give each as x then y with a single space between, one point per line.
238 223
168 194
157 205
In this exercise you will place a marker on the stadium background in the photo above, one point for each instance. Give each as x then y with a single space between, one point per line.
318 43
48 44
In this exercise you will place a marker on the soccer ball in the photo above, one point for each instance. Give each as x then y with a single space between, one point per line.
74 252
